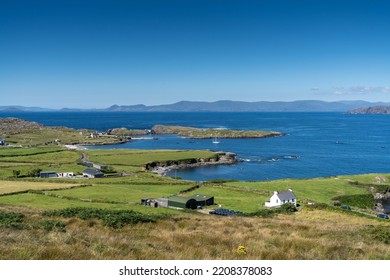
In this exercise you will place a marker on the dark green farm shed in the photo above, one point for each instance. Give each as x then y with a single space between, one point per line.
203 200
182 202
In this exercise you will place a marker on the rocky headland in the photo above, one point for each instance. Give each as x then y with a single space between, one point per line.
163 167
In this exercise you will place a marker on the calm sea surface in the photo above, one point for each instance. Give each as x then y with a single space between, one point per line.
315 145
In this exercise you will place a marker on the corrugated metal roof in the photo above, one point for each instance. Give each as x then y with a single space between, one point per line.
180 199
200 197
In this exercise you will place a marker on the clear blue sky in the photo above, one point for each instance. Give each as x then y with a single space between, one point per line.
85 54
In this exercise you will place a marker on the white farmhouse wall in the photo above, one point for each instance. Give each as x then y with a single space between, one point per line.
274 201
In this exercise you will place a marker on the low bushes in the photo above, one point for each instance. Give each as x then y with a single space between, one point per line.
284 209
111 218
50 225
379 233
11 219
357 200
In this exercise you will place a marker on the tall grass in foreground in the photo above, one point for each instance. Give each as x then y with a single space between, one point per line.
306 234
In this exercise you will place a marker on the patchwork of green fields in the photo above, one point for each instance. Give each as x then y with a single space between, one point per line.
123 192
320 190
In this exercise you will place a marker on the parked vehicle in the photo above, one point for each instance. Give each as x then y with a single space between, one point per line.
383 216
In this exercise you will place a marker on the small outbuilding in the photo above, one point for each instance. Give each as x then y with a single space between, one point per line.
48 174
280 198
182 202
92 173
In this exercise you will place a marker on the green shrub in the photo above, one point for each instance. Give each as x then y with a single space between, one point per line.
357 200
111 218
11 219
16 173
51 225
379 233
34 172
287 208
284 209
319 206
261 213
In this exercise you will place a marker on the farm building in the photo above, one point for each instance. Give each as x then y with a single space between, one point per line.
48 174
155 202
203 200
192 202
182 202
280 198
93 173
162 202
149 202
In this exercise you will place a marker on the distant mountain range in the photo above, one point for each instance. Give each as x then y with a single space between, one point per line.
15 108
240 106
221 106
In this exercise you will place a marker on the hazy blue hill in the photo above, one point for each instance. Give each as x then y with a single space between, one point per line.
371 110
15 108
219 106
241 106
131 108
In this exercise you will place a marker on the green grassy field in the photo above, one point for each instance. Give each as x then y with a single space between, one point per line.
8 187
123 193
320 190
122 157
311 233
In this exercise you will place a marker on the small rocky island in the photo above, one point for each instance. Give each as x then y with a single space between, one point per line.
208 133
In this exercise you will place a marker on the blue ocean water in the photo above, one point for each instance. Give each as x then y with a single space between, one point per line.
315 144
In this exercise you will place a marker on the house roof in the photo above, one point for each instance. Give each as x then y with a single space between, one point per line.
92 172
287 195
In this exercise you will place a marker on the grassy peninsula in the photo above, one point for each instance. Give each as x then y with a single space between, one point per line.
102 218
206 133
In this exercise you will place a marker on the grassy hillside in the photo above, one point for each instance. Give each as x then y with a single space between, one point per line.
308 234
319 231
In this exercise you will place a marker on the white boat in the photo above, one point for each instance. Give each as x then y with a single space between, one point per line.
215 141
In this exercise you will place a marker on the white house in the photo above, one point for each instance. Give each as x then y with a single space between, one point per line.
280 198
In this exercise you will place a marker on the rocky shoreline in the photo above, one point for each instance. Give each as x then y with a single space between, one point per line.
162 168
382 201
